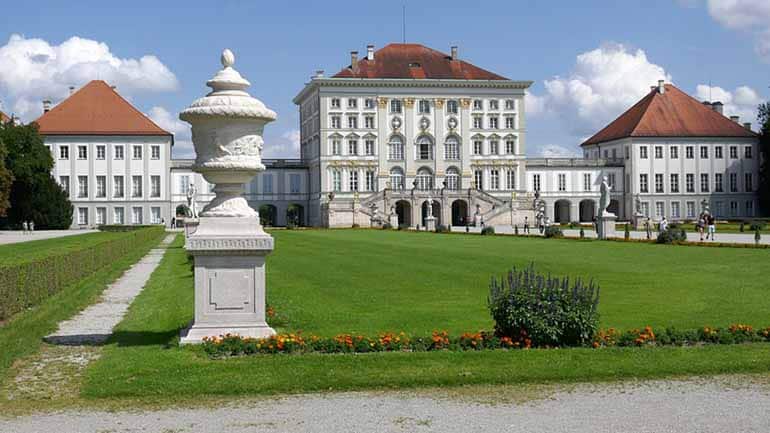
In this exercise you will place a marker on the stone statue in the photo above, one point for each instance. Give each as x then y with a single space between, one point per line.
638 205
604 201
704 204
191 193
430 206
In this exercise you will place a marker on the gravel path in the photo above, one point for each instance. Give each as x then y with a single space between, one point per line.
659 406
94 324
16 236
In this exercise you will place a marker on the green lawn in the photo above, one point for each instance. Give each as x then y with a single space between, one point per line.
28 251
367 281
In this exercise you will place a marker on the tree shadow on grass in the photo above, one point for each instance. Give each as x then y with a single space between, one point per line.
144 338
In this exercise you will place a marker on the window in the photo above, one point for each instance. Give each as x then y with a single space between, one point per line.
136 215
477 122
478 104
658 183
494 147
747 152
718 182
536 182
452 179
155 215
295 182
719 208
336 146
625 152
118 215
397 179
335 102
452 148
136 186
369 122
369 103
509 104
82 186
733 152
494 104
689 180
658 152
100 154
478 147
660 209
336 180
704 152
118 189
748 185
494 179
395 105
64 181
562 181
478 179
451 106
155 152
606 153
352 103
369 147
688 152
154 186
733 182
137 152
101 186
690 209
643 152
704 182
643 185
493 122
64 152
611 179
82 152
510 146
353 122
267 183
336 122
750 208
184 184
675 209
586 181
423 106
396 148
82 215
352 147
424 148
119 152
353 180
370 180
510 122
673 152
101 215
674 187
424 179
733 208
718 152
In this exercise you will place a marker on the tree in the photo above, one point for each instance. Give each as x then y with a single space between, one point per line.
764 150
6 181
35 195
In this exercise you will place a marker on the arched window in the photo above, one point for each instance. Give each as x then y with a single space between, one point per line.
452 148
424 179
397 178
396 148
424 148
452 179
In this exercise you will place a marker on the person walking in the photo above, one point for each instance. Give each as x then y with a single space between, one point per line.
648 228
712 227
663 224
701 226
526 225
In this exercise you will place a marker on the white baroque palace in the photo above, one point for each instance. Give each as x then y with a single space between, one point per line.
406 125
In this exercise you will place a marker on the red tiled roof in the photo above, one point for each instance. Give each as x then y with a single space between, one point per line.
415 61
670 114
96 109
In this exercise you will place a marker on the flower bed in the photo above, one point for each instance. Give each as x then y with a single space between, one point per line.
296 343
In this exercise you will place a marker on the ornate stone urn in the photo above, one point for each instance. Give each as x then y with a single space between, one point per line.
229 246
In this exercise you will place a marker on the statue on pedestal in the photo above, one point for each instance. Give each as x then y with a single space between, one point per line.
604 201
606 220
191 195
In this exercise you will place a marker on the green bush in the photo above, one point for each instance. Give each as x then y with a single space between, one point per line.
387 226
489 230
122 227
26 284
441 228
553 232
548 310
582 233
403 226
356 225
757 226
671 235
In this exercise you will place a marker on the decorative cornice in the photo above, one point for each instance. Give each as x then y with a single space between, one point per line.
197 245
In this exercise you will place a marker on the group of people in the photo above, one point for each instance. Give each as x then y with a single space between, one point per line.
28 226
707 223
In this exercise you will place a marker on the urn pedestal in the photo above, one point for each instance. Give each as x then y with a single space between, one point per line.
393 220
606 226
430 223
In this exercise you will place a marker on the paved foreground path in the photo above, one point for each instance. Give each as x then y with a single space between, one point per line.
94 324
660 406
16 236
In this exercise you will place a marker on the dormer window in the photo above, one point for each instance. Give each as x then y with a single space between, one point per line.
414 65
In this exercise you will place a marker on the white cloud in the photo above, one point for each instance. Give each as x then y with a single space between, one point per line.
752 16
741 102
554 151
32 69
286 146
183 147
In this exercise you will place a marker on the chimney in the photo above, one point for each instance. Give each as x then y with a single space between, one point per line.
718 107
454 52
736 119
747 125
370 52
707 103
354 61
661 87
72 90
46 105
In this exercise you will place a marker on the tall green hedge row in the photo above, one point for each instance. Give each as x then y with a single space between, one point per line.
26 284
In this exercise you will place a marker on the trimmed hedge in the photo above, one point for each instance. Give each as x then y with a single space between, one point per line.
26 284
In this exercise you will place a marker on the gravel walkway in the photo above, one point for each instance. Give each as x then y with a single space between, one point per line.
16 236
94 324
659 406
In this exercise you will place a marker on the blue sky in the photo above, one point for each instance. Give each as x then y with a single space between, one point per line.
590 60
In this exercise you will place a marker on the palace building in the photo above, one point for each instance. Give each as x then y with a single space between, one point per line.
405 126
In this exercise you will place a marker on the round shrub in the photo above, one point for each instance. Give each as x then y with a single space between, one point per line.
387 226
671 235
553 232
489 230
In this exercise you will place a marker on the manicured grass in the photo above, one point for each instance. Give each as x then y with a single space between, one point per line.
367 281
29 251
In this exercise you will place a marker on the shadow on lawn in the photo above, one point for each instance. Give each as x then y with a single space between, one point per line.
144 338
